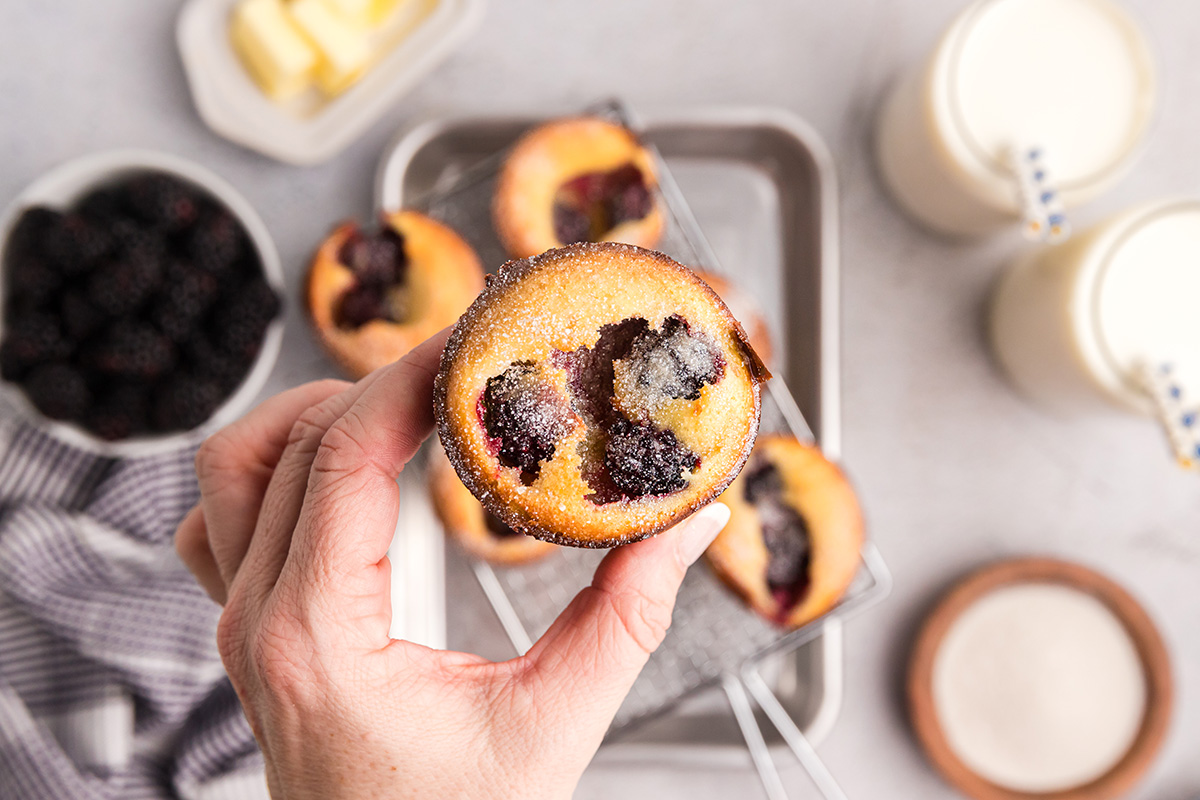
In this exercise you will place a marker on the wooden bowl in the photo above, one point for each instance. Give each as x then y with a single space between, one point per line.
1155 662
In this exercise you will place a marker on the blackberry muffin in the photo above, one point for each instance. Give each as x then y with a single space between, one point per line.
582 179
747 313
474 529
597 394
373 295
792 544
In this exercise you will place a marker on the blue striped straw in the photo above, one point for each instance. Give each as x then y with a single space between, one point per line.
1180 422
1041 205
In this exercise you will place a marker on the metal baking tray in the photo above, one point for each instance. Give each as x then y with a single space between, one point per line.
761 185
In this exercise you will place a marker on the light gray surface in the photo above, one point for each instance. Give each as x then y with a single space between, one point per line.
953 467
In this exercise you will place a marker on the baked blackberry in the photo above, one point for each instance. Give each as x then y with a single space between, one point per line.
597 394
669 364
362 304
792 544
58 390
643 461
525 416
588 206
376 258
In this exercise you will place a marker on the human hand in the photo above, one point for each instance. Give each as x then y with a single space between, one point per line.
299 503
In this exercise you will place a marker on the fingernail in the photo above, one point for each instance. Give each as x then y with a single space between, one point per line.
700 530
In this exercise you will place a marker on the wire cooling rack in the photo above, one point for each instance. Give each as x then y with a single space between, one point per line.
714 638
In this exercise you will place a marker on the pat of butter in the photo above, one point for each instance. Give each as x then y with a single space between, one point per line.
360 12
382 9
344 49
275 54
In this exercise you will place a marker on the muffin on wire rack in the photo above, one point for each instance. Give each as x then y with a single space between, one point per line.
582 179
791 547
373 295
597 394
747 312
478 532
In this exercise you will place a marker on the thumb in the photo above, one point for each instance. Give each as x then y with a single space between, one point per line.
594 651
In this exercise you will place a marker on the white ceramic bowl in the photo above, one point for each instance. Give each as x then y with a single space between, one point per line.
67 183
310 129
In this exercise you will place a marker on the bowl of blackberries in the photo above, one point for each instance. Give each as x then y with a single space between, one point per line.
141 300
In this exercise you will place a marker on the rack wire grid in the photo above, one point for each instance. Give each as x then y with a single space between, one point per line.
714 638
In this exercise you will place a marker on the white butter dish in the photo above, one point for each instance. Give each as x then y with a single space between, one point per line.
312 128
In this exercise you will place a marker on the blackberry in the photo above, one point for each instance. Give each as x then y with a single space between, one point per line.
209 361
59 391
184 401
784 532
762 482
121 286
120 412
642 460
571 225
30 340
588 206
32 282
80 318
626 196
216 242
76 244
131 349
376 259
31 279
103 205
591 369
789 550
242 318
673 362
29 231
131 234
162 200
526 416
359 305
497 528
183 302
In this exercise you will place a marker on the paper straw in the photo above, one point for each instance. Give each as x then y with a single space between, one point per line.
1180 421
1041 205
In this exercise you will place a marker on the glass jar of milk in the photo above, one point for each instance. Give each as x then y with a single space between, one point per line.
1070 323
1072 78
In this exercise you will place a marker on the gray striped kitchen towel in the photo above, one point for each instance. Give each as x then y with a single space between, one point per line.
110 682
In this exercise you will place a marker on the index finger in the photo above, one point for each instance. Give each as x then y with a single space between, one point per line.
348 515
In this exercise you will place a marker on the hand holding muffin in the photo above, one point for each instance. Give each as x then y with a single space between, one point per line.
299 506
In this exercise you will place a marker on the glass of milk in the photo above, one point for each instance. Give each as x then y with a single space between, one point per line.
1073 79
1070 323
